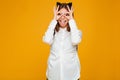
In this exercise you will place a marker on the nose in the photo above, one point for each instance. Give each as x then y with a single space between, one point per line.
63 16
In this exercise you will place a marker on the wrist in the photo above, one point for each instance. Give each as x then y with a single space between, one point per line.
71 17
52 24
54 18
72 24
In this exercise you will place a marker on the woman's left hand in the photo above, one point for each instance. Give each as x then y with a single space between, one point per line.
70 13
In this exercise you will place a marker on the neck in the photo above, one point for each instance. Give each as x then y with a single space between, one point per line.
64 27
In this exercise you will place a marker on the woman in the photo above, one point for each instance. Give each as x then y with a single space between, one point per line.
63 37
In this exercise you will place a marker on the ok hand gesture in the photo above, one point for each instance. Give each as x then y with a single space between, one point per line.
56 16
70 13
56 12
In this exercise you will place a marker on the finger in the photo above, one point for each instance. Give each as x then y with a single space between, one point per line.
57 7
72 9
58 17
67 12
67 17
68 8
58 12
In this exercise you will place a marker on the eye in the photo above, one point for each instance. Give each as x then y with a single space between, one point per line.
59 14
67 14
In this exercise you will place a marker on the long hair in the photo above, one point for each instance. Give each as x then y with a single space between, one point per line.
63 5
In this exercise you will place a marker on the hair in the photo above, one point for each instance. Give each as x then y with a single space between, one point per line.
63 5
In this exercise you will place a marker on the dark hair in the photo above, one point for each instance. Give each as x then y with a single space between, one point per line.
63 5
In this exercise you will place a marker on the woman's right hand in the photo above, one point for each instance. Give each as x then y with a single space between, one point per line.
56 12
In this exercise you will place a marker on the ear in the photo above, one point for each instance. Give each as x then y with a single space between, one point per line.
70 4
58 3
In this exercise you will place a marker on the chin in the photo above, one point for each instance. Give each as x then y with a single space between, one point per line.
62 26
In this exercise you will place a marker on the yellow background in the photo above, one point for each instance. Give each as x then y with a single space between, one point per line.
23 55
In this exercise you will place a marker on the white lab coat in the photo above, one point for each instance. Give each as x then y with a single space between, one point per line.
63 62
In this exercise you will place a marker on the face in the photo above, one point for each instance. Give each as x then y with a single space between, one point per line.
63 21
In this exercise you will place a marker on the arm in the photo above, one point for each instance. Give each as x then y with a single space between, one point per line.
48 36
76 35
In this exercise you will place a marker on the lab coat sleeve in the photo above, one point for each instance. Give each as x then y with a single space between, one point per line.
48 36
76 35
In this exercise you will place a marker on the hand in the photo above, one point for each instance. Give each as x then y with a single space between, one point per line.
56 16
70 13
